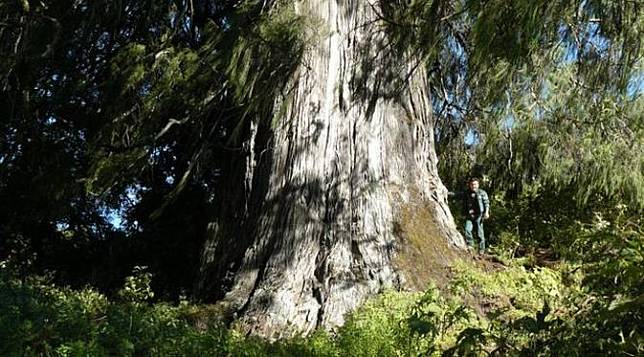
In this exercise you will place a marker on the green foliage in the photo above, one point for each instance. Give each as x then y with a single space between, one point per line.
414 26
508 311
613 253
526 289
137 287
548 95
547 312
39 318
402 324
592 303
191 102
379 327
590 148
263 59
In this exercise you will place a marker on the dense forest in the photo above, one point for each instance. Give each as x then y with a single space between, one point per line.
200 177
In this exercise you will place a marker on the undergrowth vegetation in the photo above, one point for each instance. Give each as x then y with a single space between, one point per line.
488 308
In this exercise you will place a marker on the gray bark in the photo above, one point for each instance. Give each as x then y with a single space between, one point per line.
325 185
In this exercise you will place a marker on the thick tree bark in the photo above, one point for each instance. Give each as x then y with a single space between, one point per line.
323 217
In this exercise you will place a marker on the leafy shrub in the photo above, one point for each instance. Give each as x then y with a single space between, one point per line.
379 327
575 309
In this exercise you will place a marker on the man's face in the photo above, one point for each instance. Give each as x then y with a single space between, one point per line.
474 185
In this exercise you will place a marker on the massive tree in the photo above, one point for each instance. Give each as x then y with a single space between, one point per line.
323 216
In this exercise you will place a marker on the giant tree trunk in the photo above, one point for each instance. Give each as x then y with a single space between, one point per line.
337 192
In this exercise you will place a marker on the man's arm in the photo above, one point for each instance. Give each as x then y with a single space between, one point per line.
486 205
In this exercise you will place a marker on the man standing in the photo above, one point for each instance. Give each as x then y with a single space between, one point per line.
476 207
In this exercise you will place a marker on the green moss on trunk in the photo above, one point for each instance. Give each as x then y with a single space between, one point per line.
424 255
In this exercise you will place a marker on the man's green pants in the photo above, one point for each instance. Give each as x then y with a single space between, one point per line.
475 223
